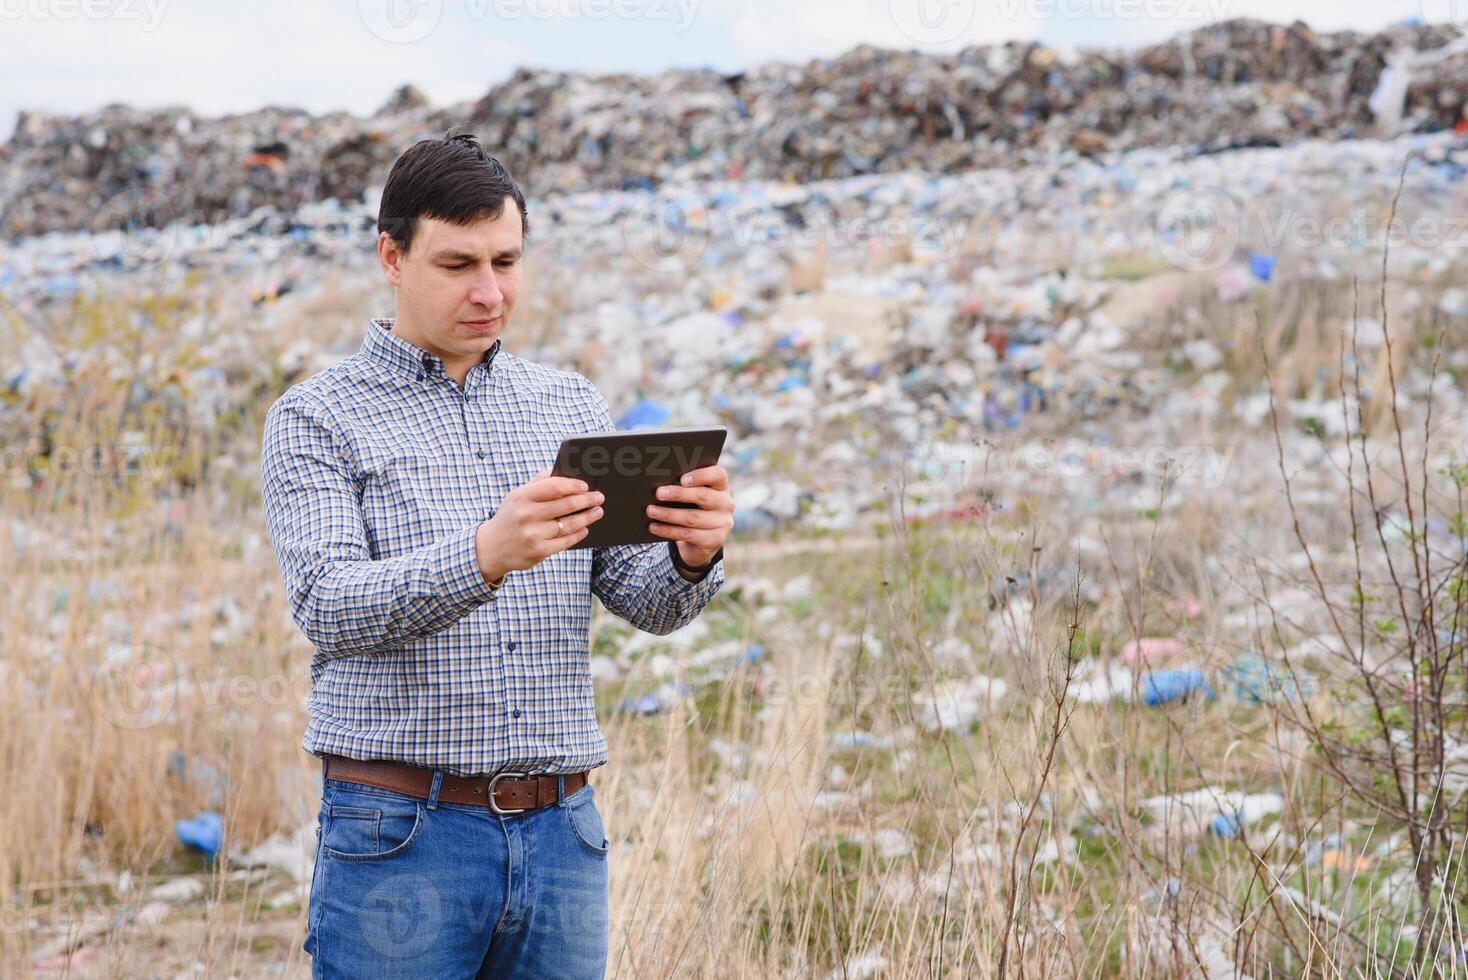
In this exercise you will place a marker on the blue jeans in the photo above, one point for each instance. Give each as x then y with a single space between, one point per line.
405 887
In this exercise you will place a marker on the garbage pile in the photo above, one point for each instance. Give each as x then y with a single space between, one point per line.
846 331
1241 83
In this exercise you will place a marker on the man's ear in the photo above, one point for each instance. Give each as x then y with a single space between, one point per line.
390 256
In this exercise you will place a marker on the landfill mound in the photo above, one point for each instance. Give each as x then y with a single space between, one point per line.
1240 83
905 324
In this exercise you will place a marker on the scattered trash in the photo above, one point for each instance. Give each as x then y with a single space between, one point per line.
858 740
645 414
656 702
199 773
1262 267
75 960
294 854
177 891
1150 650
1163 686
1256 681
1112 684
1250 811
204 832
889 842
1188 606
955 705
1212 809
868 964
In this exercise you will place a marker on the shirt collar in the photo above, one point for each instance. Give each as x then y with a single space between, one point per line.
384 347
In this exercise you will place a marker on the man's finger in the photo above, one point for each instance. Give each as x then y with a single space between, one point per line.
705 497
708 476
553 487
563 506
684 517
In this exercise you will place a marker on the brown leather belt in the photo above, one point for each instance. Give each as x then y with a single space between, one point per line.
504 792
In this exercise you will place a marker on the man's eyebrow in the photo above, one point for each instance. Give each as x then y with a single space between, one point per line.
454 255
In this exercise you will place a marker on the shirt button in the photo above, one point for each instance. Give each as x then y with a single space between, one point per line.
511 646
516 713
480 454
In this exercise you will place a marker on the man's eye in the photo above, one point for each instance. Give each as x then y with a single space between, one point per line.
456 268
505 263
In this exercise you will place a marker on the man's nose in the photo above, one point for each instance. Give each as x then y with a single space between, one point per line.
486 292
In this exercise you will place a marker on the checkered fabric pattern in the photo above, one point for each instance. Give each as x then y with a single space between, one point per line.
375 473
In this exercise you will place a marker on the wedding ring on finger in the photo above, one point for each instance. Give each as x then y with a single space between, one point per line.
559 528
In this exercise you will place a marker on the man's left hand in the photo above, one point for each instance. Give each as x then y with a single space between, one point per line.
700 530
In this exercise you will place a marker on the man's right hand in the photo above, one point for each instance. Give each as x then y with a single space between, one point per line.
523 532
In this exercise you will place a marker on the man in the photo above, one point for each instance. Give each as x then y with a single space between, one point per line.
426 554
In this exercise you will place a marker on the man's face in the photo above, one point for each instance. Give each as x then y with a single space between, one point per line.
457 285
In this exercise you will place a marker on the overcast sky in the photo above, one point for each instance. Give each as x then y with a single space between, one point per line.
75 55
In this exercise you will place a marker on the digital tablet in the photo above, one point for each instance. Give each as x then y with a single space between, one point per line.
628 467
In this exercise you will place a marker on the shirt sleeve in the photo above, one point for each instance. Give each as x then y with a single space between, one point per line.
639 582
346 603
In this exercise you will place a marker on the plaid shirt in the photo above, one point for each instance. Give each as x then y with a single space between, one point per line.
375 473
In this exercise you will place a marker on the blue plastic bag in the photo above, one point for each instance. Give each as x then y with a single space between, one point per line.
205 832
1161 686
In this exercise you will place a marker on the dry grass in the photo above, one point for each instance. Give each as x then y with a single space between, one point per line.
729 859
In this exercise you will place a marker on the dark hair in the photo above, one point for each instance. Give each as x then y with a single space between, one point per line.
452 179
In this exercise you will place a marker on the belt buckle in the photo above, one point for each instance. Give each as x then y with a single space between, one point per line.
495 807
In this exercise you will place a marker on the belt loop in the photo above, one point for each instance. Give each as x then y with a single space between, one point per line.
561 788
433 790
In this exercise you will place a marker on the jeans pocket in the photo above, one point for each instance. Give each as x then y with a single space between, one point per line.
371 828
586 823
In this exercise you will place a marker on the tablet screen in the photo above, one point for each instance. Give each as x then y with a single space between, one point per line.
628 467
